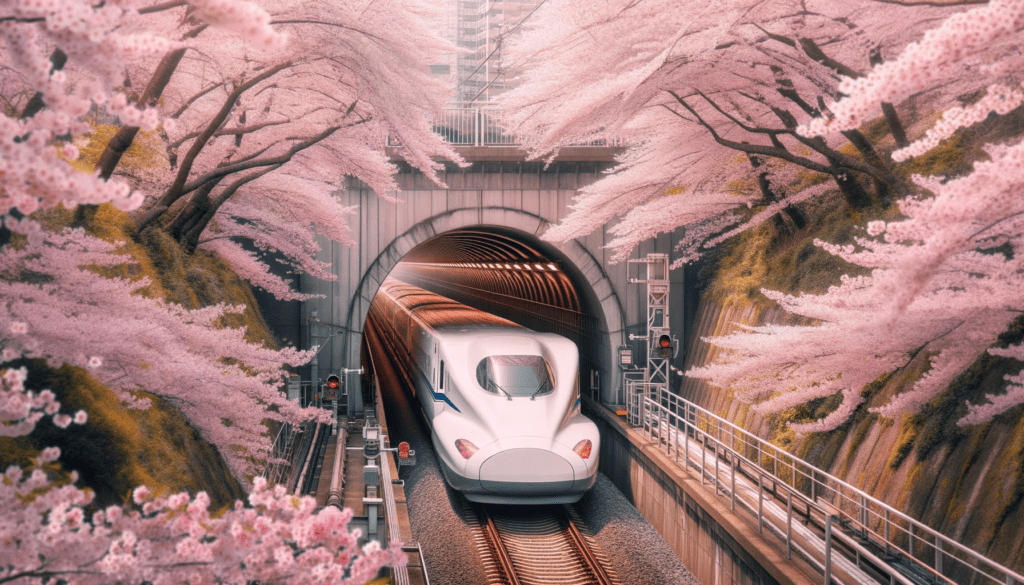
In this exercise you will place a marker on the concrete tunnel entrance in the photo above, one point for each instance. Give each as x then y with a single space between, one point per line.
514 275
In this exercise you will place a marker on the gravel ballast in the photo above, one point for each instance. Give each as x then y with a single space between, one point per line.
639 554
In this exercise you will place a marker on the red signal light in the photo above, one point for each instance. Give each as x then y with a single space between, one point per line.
403 450
333 382
665 341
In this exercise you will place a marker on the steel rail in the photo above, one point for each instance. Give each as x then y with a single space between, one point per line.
593 565
497 545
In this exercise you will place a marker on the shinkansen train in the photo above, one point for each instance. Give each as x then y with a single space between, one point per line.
502 401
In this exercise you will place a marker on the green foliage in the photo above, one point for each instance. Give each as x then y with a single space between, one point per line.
1016 494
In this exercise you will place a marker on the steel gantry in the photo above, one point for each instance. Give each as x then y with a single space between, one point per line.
660 345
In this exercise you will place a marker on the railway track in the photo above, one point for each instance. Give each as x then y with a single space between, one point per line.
537 545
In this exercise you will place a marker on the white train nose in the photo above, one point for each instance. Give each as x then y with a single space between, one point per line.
526 471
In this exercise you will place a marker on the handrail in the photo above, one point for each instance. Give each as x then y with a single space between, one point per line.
309 456
882 525
277 459
400 575
484 125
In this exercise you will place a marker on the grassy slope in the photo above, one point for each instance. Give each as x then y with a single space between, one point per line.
121 448
969 483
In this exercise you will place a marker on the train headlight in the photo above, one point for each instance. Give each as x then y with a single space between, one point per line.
466 449
583 448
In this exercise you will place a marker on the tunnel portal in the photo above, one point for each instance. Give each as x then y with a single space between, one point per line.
517 277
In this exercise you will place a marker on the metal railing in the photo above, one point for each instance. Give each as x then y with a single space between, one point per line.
278 460
477 124
872 531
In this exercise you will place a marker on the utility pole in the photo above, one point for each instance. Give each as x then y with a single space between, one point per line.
314 373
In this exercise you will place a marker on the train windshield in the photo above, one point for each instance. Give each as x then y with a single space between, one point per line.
515 375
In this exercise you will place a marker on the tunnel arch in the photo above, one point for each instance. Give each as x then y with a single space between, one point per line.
592 285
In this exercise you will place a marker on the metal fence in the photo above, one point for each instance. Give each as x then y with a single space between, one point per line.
874 533
475 124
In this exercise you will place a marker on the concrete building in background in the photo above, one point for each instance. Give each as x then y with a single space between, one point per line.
480 27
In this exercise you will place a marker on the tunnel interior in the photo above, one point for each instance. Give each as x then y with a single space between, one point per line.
518 277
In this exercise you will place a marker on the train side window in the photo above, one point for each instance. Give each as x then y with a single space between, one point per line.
441 377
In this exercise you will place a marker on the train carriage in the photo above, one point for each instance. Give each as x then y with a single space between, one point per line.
502 401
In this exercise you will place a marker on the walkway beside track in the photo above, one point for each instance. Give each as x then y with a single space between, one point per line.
354 489
717 545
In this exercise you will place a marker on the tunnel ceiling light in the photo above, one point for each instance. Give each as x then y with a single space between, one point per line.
507 267
527 266
552 267
517 267
539 266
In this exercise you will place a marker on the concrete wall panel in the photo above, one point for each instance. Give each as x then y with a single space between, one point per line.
492 198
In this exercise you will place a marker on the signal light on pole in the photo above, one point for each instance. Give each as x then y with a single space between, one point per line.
406 456
665 346
329 390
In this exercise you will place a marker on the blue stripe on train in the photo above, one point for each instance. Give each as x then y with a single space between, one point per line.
443 398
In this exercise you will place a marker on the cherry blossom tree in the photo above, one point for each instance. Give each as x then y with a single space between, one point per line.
309 96
944 282
223 384
690 85
49 536
280 129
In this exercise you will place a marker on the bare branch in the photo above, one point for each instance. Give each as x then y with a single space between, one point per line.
175 190
163 6
936 3
195 98
228 131
772 151
249 164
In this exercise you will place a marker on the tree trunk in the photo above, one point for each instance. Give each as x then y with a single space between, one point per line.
193 210
175 190
57 60
889 110
851 189
190 238
789 219
122 140
883 192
